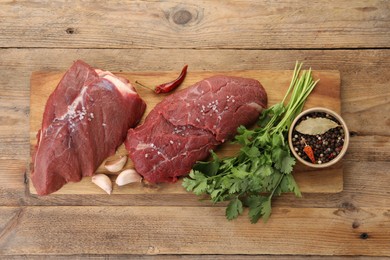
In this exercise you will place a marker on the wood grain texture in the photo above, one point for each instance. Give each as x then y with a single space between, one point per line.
201 24
349 36
175 230
326 94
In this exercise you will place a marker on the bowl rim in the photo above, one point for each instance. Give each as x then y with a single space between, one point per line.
346 137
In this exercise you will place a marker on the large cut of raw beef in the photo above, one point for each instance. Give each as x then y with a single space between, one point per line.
86 118
183 128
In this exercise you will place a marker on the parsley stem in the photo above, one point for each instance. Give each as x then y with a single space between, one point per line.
297 69
301 91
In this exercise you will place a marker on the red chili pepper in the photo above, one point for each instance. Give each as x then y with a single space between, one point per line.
309 152
168 87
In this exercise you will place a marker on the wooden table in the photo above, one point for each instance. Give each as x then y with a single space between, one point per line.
350 36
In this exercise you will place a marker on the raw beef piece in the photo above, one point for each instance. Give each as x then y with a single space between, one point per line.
182 128
86 118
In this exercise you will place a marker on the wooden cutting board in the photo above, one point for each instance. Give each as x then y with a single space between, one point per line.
326 94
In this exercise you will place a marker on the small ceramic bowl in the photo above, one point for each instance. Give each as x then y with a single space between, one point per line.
321 140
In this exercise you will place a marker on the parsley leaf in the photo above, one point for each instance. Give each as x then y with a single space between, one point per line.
287 164
251 152
255 205
234 208
200 188
209 168
266 209
244 136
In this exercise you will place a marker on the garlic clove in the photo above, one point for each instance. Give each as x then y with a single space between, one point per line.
128 176
116 165
103 181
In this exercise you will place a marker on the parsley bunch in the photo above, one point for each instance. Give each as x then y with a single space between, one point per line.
263 166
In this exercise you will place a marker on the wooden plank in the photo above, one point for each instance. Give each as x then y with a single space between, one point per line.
326 94
204 24
175 230
360 189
